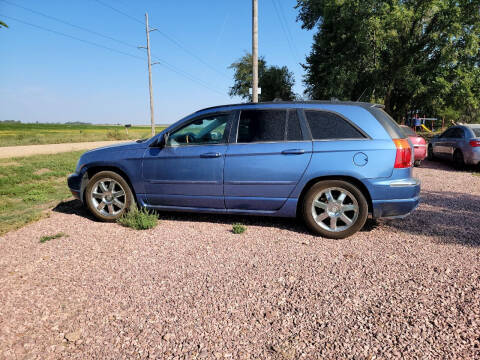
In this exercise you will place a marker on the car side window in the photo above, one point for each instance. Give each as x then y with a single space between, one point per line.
448 134
294 130
325 125
202 131
459 133
262 126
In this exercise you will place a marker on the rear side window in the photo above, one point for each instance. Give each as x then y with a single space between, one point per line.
388 123
408 131
326 126
294 131
262 125
476 131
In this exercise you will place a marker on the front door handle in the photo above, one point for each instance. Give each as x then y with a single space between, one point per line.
210 155
293 152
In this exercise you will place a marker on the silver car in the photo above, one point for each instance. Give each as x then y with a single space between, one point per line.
460 143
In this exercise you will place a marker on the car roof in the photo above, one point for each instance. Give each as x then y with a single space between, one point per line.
290 103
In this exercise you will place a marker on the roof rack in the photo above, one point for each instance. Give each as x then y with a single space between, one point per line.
379 106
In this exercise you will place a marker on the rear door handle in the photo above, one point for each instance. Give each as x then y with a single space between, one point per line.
293 152
210 155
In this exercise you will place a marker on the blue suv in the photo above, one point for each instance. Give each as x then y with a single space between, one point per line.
332 163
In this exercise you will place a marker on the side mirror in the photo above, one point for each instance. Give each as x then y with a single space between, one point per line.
161 142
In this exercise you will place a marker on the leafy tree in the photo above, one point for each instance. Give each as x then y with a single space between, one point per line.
276 82
2 24
411 55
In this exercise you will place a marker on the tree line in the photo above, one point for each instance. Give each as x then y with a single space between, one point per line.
413 56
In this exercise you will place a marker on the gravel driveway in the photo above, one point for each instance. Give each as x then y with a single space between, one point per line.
192 289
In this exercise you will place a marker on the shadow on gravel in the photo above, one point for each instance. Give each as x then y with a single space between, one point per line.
446 165
74 207
292 224
450 217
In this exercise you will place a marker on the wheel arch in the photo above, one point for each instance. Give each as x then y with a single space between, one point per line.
95 169
354 181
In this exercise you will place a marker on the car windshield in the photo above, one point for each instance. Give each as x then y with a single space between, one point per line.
408 131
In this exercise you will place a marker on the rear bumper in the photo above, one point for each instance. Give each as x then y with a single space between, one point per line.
394 198
472 157
420 151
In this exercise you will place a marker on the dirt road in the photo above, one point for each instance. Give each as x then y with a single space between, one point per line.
18 151
191 289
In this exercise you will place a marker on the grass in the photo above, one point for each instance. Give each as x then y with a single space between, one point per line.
46 238
139 219
12 134
238 228
26 192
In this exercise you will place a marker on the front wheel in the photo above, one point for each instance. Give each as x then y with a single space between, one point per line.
335 209
108 196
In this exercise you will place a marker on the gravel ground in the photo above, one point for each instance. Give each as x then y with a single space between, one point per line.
192 289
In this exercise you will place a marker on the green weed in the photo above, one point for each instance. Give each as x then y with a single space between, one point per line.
139 219
238 228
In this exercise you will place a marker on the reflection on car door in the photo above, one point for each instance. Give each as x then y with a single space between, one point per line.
265 161
188 171
441 144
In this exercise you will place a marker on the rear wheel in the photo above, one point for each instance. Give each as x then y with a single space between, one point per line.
108 196
458 160
430 153
335 209
417 163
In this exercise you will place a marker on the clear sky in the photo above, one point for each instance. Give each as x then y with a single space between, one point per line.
47 77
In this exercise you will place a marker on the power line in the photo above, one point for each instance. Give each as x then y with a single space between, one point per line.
286 29
167 36
162 62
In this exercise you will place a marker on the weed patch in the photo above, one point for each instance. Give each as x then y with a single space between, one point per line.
139 219
238 228
46 238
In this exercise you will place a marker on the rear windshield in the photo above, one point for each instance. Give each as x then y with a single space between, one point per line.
476 131
408 131
388 123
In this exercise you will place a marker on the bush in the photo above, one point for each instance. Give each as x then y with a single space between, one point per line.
139 219
238 228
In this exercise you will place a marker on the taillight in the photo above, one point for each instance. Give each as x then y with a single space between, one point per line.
404 154
475 143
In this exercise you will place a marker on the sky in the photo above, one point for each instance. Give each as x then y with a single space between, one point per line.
99 75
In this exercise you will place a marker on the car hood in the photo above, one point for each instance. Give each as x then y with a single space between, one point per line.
131 145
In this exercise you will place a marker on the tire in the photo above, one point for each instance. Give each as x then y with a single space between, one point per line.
109 201
430 155
331 213
458 161
417 163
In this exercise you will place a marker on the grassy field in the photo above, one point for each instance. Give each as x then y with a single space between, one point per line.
30 185
12 134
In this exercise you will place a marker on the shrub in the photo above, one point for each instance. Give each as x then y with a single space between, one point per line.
139 219
238 228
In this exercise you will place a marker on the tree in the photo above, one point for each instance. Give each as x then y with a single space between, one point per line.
2 24
418 55
276 82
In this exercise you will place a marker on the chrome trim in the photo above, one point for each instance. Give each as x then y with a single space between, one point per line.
419 145
405 182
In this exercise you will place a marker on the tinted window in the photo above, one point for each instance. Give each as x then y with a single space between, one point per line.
294 131
459 133
326 125
262 125
388 123
208 130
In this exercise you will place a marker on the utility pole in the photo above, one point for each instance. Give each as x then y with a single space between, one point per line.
255 51
147 30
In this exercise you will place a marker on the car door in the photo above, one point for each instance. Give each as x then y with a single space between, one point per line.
187 171
440 146
266 157
451 142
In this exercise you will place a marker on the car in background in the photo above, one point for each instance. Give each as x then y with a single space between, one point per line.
460 144
331 163
419 145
